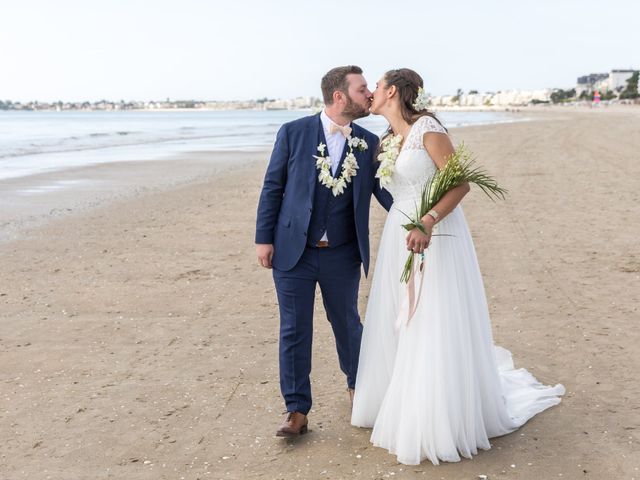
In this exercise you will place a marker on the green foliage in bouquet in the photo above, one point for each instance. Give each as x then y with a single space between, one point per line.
460 168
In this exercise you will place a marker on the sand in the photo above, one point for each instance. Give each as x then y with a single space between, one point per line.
138 336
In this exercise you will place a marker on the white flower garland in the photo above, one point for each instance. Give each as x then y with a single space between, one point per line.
422 100
389 151
349 166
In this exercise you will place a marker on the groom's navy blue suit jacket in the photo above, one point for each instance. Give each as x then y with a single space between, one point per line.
287 197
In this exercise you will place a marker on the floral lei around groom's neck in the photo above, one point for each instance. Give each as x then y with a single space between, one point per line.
349 166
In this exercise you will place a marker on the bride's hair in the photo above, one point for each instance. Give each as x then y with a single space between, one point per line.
407 83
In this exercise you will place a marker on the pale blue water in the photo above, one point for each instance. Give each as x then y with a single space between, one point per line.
35 142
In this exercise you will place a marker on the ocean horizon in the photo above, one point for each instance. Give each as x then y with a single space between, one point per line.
38 142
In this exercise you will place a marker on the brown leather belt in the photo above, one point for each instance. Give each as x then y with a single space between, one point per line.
322 244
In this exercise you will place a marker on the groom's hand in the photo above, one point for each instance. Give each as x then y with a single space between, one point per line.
265 254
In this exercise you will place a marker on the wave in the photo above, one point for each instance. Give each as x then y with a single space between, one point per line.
77 144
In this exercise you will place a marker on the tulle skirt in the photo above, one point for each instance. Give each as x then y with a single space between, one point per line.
436 387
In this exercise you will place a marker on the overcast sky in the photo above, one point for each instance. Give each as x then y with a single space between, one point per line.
223 50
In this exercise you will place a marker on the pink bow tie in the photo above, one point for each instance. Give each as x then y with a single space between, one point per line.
334 128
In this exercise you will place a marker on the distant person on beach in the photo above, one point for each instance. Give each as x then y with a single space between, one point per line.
312 229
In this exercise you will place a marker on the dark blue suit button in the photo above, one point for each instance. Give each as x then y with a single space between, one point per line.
305 234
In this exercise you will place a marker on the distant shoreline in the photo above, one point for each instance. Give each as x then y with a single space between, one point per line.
466 108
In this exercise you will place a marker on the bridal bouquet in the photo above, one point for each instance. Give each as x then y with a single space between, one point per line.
460 168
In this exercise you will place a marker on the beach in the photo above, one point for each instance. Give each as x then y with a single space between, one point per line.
139 336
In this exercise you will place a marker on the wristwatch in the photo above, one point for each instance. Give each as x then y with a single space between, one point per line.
433 214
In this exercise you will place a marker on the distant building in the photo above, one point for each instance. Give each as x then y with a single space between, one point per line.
292 104
616 80
500 99
589 83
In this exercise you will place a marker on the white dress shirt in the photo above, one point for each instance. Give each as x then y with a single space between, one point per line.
335 142
335 147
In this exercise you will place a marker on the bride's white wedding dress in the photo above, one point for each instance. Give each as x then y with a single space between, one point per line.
435 387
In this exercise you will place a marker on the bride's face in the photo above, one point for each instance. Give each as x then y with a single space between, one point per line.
381 96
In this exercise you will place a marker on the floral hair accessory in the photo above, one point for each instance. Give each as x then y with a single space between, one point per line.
422 100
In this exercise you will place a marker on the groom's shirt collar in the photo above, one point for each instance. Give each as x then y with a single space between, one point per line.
326 121
335 141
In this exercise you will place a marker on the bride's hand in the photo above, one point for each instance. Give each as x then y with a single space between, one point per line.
418 241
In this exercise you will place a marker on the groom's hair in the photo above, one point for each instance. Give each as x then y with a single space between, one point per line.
336 79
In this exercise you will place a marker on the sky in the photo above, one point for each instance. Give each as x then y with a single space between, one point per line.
77 50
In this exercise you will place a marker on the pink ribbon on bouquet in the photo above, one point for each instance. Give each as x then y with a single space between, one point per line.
411 286
417 270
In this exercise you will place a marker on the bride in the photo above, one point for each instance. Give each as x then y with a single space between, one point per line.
433 386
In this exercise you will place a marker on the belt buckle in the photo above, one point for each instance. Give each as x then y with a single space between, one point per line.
322 244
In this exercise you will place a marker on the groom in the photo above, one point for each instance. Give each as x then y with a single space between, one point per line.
311 231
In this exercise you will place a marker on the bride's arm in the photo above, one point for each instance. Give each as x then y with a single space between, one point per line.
439 147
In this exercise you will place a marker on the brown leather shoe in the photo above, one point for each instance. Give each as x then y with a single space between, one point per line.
294 424
352 392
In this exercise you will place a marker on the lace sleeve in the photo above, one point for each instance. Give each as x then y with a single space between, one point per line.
424 124
429 124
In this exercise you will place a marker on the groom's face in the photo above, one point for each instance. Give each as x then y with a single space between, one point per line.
358 98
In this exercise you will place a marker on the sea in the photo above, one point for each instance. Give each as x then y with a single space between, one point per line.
33 142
